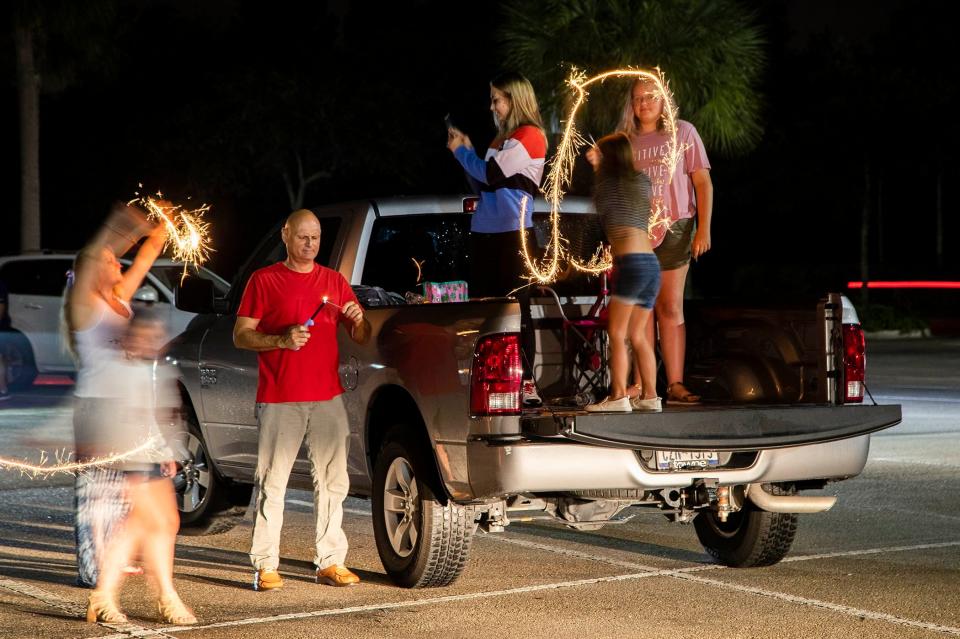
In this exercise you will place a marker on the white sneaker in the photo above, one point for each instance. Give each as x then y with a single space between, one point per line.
608 405
654 404
529 394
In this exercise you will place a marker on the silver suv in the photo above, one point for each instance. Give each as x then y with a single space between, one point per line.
35 283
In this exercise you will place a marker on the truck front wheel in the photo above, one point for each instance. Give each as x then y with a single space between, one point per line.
422 542
750 537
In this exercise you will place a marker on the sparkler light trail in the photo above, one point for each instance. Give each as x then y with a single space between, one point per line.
561 173
64 465
188 234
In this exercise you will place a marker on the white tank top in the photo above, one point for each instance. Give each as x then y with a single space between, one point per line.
98 349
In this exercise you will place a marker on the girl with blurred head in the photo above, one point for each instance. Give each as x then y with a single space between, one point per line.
622 199
509 171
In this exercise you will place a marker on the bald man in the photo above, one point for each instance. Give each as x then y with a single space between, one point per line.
298 395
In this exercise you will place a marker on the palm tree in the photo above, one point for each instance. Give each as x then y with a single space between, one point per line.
711 51
56 43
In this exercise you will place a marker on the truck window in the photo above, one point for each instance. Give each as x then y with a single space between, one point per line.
407 250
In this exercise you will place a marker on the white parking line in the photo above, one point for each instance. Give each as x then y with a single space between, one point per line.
351 511
75 609
860 613
856 612
677 573
414 602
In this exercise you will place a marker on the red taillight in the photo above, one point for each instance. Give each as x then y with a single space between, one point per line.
854 363
495 383
470 204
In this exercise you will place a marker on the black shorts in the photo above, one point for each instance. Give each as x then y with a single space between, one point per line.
675 250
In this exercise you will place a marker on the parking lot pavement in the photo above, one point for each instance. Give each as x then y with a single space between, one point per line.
884 562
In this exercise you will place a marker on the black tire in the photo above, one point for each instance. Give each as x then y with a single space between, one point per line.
444 531
751 537
18 358
208 503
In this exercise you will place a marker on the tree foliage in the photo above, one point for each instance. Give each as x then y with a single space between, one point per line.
712 52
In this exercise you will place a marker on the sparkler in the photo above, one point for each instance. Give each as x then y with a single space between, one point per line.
63 464
561 173
188 235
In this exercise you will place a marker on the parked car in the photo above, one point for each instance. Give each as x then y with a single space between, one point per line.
36 282
440 441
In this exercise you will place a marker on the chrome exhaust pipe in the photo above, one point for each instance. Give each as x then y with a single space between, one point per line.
788 503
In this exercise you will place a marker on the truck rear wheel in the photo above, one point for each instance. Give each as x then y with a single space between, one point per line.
422 542
750 537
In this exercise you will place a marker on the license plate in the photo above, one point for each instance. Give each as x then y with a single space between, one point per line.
684 459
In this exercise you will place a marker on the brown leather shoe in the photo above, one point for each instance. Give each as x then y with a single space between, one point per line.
337 576
268 579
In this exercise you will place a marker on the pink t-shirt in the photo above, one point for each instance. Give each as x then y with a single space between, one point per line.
677 196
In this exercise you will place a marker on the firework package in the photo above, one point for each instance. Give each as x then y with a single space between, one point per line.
454 291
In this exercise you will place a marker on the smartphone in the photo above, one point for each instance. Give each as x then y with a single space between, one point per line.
448 122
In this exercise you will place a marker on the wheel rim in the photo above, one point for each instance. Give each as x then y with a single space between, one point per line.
401 507
193 479
728 529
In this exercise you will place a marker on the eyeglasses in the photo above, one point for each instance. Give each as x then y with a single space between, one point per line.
647 97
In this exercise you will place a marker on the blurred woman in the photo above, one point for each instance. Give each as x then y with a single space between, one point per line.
622 198
686 198
143 420
510 170
95 316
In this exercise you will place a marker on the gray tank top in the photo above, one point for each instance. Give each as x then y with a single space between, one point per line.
98 349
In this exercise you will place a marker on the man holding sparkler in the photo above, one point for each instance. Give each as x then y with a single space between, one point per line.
298 394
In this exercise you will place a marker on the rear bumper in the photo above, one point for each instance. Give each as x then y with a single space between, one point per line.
533 467
735 428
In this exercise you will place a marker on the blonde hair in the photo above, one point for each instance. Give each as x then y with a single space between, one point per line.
523 103
629 123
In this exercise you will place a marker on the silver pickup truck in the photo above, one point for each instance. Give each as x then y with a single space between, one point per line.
443 447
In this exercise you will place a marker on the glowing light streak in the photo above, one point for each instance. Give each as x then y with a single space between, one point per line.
419 266
188 234
62 463
561 174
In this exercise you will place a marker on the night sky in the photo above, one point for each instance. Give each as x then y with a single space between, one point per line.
209 100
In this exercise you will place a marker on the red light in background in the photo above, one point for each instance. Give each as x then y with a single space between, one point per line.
906 284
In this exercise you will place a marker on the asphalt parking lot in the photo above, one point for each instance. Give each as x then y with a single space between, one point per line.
884 562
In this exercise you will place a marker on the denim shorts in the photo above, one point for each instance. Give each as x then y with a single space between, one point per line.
636 279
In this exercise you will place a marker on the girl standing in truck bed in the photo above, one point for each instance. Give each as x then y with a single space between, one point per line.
622 197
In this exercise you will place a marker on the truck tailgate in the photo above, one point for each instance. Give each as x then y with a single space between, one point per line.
714 427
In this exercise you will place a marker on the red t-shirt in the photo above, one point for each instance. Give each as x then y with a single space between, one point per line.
279 297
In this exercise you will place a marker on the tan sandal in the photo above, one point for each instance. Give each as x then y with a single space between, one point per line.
677 393
172 610
101 608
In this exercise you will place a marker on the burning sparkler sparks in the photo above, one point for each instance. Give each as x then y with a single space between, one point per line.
188 235
62 463
561 173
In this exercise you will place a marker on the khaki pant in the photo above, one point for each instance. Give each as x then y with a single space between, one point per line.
282 430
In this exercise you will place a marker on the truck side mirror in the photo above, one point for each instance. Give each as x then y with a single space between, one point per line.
194 295
146 294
